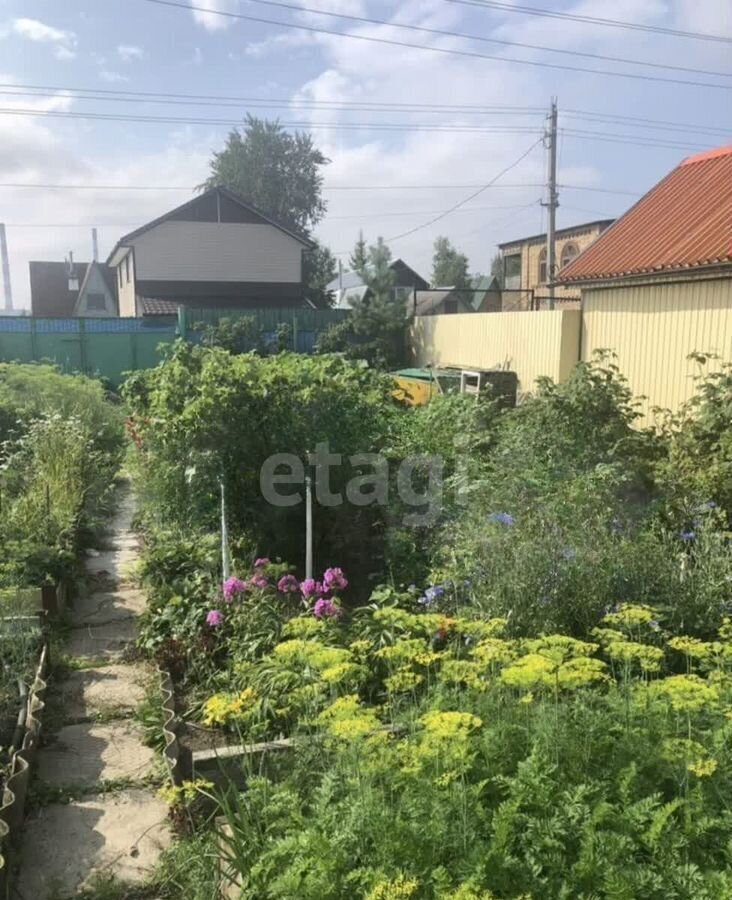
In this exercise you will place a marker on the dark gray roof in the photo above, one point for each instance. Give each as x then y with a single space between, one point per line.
49 283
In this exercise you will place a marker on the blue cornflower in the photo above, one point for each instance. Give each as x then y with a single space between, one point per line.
687 536
502 518
569 553
431 595
654 625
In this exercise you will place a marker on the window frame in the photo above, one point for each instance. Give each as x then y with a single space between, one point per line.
542 272
567 246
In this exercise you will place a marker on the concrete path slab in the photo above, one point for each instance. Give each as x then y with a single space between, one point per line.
103 641
108 606
65 846
93 692
120 833
84 755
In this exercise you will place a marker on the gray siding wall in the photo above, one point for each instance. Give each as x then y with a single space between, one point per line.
217 251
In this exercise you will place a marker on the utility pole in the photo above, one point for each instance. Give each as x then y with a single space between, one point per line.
6 269
552 197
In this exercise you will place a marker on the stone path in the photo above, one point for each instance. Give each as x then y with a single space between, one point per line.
116 825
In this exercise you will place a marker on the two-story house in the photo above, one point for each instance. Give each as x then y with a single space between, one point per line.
217 250
525 273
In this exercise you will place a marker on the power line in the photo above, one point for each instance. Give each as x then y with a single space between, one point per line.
469 197
445 50
595 20
639 140
349 106
103 94
337 126
327 187
328 218
364 20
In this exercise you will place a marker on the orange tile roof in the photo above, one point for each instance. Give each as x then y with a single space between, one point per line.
684 222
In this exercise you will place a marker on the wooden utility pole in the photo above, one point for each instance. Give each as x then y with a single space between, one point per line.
552 198
6 269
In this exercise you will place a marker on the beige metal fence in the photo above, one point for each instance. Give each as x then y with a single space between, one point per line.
529 343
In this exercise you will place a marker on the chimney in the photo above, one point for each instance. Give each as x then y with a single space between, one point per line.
73 278
95 245
6 269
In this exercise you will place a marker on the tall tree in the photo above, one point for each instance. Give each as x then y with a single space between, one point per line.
319 269
449 268
278 172
497 270
359 257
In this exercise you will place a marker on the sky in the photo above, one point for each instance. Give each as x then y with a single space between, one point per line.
617 135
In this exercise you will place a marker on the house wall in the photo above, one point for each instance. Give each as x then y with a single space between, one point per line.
531 251
653 328
95 285
531 344
217 251
126 293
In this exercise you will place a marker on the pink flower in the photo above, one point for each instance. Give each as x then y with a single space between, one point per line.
261 562
288 584
259 581
326 609
335 580
232 587
311 588
215 618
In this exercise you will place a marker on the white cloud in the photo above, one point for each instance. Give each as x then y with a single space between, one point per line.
129 52
197 58
206 14
112 77
39 32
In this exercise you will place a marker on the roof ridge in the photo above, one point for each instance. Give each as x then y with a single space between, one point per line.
706 154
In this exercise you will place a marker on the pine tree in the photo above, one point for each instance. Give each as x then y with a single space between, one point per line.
449 268
359 257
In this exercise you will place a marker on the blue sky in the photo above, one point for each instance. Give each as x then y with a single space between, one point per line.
137 46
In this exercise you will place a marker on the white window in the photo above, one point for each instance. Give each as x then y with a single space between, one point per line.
570 251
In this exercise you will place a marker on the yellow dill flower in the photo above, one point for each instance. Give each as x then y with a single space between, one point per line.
462 671
342 672
725 629
681 749
347 720
394 617
494 650
560 647
608 635
403 680
482 628
691 647
360 648
631 614
527 698
530 671
303 627
579 672
449 725
399 888
428 658
289 651
221 709
186 792
648 658
703 768
402 651
686 693
447 778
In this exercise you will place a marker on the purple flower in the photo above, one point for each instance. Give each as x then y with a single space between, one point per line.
326 609
687 536
431 595
215 618
311 588
261 562
259 581
502 518
288 584
232 587
334 580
